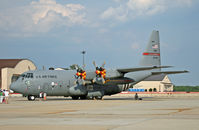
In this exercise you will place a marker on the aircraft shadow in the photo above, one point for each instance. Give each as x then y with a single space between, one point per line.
104 99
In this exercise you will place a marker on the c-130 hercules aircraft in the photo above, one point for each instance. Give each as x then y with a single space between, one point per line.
91 84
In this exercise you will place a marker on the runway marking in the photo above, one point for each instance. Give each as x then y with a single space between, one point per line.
59 112
177 110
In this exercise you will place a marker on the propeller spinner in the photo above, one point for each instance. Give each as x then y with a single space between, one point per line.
81 74
100 72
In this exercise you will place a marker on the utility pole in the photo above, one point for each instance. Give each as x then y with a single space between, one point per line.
83 53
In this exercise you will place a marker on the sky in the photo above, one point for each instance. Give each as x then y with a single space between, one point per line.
52 33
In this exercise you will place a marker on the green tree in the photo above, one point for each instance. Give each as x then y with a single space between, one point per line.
186 88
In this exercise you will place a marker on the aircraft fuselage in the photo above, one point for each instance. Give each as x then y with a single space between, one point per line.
64 83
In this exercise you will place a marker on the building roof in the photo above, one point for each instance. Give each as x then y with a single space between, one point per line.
159 77
8 63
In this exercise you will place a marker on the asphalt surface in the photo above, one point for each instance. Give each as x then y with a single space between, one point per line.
112 113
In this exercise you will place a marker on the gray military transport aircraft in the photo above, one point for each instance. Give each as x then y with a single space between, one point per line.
91 84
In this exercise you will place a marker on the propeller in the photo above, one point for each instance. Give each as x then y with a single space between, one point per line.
100 73
80 75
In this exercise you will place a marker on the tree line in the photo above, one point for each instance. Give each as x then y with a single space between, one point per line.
186 88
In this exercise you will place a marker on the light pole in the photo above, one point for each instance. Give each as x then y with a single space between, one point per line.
83 52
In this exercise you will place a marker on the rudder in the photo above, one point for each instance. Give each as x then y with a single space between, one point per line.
151 56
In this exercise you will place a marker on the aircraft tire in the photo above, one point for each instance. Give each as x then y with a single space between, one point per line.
90 98
83 97
75 97
31 97
99 97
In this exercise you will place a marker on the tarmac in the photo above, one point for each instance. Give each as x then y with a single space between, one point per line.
117 112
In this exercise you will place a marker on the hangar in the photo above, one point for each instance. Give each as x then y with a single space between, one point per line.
10 69
155 83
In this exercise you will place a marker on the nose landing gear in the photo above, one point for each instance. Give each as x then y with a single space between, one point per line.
31 97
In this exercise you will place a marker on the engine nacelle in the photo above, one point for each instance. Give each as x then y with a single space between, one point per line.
77 90
95 94
99 81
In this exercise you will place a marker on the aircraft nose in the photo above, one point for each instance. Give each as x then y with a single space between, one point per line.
14 87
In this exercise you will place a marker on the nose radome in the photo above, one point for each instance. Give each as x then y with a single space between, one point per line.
13 87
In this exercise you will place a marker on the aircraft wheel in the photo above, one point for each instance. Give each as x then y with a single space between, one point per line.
31 97
82 97
98 97
75 97
90 98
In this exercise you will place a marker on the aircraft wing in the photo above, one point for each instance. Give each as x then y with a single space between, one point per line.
169 72
127 70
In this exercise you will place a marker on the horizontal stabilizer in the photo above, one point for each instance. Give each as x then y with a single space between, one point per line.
169 72
141 69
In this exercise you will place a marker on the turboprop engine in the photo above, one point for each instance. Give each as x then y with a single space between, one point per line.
100 74
80 76
78 90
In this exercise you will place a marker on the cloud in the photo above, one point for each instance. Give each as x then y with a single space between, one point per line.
70 11
103 30
41 16
119 13
146 7
136 8
135 46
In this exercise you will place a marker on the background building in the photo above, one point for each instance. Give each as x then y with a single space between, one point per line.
10 69
155 83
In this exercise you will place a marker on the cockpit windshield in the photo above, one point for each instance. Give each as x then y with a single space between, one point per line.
27 75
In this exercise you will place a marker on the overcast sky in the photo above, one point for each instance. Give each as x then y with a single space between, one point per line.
52 33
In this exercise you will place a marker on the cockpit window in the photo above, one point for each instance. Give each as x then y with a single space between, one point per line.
23 75
27 75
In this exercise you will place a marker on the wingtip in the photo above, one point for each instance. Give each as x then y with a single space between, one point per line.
169 66
162 66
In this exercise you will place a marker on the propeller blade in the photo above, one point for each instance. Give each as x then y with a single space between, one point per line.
103 80
83 66
94 64
76 67
103 64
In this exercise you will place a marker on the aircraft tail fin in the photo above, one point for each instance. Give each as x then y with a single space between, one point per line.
151 56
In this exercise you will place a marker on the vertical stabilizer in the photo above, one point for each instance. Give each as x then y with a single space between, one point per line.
151 56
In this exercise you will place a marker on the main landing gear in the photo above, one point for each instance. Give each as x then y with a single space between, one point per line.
31 97
79 97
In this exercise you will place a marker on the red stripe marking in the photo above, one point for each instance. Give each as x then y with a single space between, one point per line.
151 54
127 92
